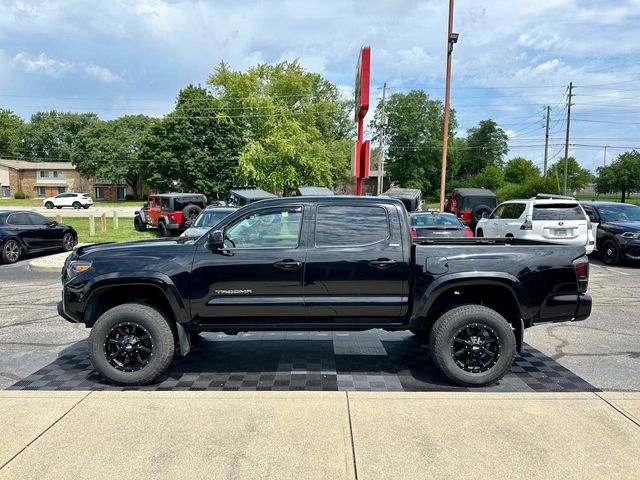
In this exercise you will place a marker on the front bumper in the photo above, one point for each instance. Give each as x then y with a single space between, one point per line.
65 315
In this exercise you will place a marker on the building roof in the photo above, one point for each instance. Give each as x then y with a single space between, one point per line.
251 193
24 165
314 191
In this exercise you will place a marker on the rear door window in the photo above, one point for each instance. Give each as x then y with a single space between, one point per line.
472 202
18 219
558 211
514 210
349 226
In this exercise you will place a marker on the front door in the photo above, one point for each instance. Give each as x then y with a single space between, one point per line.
356 269
48 235
257 279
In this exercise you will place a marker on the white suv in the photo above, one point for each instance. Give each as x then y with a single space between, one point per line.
75 200
546 220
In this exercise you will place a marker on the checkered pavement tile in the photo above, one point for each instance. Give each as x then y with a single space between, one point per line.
358 361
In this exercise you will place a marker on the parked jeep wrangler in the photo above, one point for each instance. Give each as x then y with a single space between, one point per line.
170 213
469 204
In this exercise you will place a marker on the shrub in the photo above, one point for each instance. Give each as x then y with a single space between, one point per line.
129 197
19 196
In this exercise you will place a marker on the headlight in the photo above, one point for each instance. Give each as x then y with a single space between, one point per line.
631 235
76 267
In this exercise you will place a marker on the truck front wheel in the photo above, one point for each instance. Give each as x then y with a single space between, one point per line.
472 345
131 344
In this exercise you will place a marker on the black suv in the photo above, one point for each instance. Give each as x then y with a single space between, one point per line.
618 235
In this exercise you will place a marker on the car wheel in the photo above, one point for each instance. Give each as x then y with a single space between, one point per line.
190 213
480 233
473 345
68 242
48 205
163 231
86 206
131 344
59 208
77 205
138 224
11 251
610 252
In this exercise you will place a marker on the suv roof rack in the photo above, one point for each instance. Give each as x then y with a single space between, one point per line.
552 196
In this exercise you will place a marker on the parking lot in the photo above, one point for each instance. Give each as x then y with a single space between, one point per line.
41 351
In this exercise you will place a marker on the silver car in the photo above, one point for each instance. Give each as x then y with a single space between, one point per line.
209 218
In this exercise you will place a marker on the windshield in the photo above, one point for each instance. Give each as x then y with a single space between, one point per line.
472 202
209 218
435 220
620 213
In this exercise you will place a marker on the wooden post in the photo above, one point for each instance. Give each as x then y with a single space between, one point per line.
92 226
103 222
58 218
115 220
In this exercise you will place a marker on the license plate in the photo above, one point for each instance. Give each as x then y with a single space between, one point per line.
560 232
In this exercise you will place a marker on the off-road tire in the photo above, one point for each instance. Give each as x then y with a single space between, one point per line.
77 205
476 213
49 205
9 249
154 322
138 224
163 231
610 252
444 332
190 213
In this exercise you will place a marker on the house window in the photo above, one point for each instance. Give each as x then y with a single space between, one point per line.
43 173
62 189
58 174
6 192
99 193
122 192
41 192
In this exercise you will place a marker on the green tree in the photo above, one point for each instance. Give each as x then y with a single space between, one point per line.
194 148
413 136
519 170
11 127
577 177
110 150
297 125
490 177
623 175
486 145
50 135
529 188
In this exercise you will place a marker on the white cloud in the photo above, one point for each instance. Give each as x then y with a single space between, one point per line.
101 73
43 64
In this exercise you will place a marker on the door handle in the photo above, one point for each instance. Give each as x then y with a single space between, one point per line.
288 264
382 263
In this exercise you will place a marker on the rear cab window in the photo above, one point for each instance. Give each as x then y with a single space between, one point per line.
350 226
558 211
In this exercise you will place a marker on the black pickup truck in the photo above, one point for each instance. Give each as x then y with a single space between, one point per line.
320 263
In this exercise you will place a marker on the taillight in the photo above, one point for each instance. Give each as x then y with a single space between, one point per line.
469 233
172 216
466 215
581 267
414 233
527 225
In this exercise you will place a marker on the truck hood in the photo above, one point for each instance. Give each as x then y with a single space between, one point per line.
139 246
627 226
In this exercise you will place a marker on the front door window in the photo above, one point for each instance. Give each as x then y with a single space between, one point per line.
277 228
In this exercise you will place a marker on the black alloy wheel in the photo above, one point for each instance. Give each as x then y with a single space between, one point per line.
610 252
77 205
48 205
128 347
11 251
68 242
475 348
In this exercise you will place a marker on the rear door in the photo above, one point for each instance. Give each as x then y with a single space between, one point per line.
560 223
356 269
21 225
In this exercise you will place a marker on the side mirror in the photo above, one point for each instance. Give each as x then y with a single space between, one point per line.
52 224
215 240
485 214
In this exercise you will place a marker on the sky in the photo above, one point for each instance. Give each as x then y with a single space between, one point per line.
513 58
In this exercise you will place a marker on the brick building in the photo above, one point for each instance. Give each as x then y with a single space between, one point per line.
47 179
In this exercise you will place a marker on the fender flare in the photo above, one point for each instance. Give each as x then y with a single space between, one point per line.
143 215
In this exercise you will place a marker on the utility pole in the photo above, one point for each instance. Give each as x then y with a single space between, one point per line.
383 125
546 141
605 156
566 142
451 39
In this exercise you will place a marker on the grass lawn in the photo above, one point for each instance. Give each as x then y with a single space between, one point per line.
34 202
634 199
126 232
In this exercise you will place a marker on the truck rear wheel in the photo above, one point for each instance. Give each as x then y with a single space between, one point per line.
473 345
131 344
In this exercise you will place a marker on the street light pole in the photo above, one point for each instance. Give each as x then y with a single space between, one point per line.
451 39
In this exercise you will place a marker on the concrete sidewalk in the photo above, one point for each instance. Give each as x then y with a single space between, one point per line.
328 435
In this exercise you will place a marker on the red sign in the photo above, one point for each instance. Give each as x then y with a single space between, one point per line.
363 74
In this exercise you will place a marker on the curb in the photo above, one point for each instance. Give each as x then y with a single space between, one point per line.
43 264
